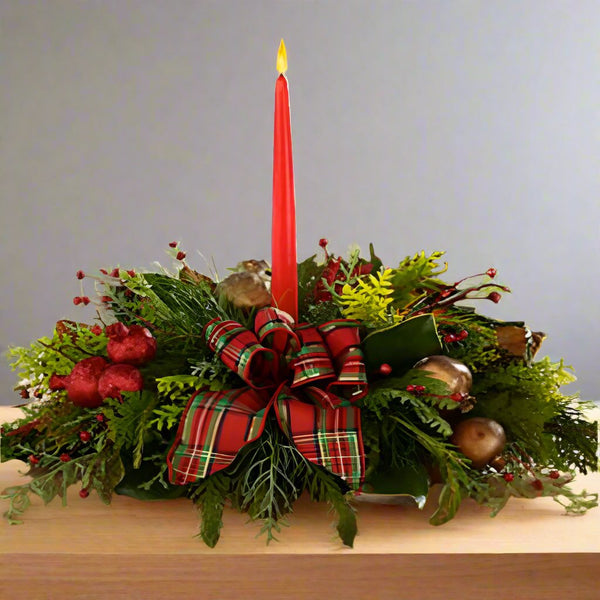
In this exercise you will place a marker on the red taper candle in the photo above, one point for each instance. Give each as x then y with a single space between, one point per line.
284 277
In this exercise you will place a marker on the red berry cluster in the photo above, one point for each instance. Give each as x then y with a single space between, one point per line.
450 338
419 390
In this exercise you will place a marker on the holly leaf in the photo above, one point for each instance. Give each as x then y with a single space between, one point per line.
402 345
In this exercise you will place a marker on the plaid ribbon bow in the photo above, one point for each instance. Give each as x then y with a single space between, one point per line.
308 375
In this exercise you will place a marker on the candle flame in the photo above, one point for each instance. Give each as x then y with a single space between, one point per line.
281 58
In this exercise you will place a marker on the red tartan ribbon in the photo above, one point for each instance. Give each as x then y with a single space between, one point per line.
310 376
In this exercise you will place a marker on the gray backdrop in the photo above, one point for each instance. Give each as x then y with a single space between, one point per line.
465 126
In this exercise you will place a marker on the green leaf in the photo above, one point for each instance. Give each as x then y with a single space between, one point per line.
402 345
374 259
309 274
409 480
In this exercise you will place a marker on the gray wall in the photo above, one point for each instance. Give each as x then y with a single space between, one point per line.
465 126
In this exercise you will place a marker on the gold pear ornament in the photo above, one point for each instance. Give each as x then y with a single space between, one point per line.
452 372
479 439
249 286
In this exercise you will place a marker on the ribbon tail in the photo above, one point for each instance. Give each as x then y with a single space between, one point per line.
329 437
214 427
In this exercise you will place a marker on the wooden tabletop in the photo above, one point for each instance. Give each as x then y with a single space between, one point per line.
134 549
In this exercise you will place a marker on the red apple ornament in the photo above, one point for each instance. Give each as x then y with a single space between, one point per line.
119 378
82 383
133 345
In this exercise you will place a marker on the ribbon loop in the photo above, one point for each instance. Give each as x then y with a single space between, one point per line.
241 351
343 340
274 328
312 362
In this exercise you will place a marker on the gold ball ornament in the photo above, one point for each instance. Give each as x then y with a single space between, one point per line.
452 372
479 439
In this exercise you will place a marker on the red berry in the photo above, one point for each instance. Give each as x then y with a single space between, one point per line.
80 274
83 493
491 272
494 297
463 334
457 397
64 457
419 389
100 418
96 329
33 460
180 255
537 484
85 436
114 272
104 271
77 300
106 299
385 369
323 242
554 474
24 393
508 477
449 338
85 300
173 244
410 388
131 273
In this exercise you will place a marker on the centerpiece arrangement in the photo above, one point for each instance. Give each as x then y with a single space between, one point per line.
337 376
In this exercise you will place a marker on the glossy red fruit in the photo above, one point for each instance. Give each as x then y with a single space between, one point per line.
58 382
85 436
494 297
508 477
133 345
83 493
82 383
119 378
385 369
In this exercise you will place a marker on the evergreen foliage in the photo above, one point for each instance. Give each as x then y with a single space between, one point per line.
407 418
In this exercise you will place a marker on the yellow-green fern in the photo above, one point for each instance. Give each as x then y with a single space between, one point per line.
369 299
